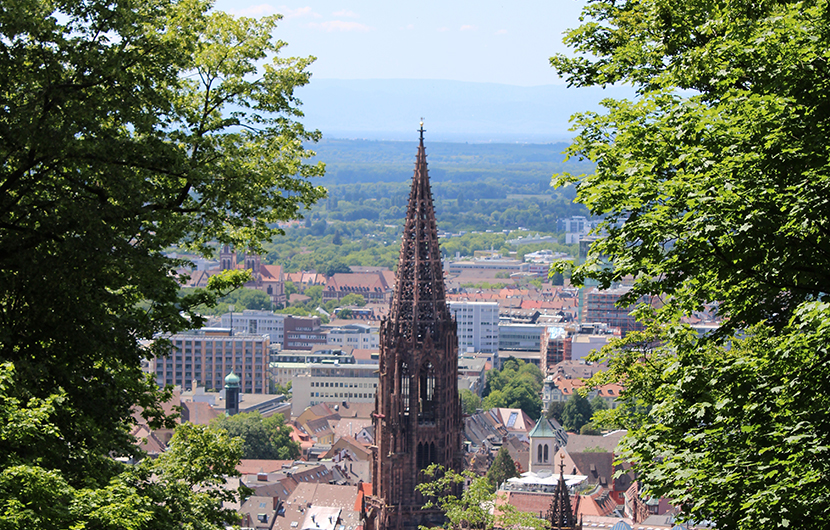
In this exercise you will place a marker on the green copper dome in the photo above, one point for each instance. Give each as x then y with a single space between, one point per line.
232 379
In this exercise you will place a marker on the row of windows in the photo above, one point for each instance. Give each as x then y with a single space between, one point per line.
344 372
322 384
307 359
342 395
201 342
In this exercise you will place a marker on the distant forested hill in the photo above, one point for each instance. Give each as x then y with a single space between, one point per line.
476 186
359 161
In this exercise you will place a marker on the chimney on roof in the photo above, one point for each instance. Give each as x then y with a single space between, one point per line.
262 476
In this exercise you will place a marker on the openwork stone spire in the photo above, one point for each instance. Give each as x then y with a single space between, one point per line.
561 515
417 418
419 302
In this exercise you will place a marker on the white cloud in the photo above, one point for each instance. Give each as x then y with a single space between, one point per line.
467 27
340 25
501 32
287 12
345 13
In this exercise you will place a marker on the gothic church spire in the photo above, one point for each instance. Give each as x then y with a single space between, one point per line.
417 418
419 302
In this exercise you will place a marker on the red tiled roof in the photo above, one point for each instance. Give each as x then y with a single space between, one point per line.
358 282
147 440
599 503
248 466
270 272
198 412
364 354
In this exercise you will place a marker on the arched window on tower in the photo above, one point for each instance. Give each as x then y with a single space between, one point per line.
426 392
539 454
404 386
425 455
546 452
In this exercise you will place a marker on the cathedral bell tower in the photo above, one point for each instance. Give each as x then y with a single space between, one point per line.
417 418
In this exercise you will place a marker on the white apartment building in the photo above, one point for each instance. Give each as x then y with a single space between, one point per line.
521 337
284 373
257 322
328 382
478 326
356 335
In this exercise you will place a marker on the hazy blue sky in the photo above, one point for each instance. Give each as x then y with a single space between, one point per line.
504 41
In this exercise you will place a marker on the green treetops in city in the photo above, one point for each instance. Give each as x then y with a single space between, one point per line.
712 188
126 128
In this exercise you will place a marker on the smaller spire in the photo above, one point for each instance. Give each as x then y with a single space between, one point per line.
561 515
422 131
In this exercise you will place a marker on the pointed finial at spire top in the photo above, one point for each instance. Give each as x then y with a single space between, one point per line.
421 130
561 463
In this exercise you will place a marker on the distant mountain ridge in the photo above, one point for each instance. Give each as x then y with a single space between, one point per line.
454 111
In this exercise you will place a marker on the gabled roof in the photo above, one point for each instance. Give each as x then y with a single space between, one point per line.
578 443
598 467
599 502
349 427
326 495
270 272
318 427
322 410
360 282
198 412
352 410
248 466
515 420
360 452
543 429
147 440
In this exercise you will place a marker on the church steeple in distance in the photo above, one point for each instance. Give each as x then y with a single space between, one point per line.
561 516
417 417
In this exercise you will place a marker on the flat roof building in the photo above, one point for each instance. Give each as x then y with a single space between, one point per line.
333 382
205 356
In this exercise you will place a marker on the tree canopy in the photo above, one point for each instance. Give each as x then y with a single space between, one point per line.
262 438
576 413
555 410
712 186
502 468
475 507
470 402
126 129
516 385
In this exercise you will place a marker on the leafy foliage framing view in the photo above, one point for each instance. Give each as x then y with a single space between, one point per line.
714 185
127 128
